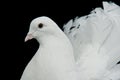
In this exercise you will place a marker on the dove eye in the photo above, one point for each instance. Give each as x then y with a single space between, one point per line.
40 25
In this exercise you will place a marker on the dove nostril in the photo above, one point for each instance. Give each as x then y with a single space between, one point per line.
40 25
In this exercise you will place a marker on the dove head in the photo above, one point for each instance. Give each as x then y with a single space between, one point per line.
42 27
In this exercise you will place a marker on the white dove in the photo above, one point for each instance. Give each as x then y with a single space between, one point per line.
90 50
54 59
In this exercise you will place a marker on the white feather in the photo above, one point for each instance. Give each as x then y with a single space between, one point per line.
96 43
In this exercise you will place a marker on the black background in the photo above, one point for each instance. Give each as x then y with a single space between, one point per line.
17 24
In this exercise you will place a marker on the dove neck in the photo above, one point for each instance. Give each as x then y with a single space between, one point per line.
52 38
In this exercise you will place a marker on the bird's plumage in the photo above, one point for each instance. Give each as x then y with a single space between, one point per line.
96 42
90 50
54 59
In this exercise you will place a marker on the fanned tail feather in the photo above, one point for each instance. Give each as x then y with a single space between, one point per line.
97 34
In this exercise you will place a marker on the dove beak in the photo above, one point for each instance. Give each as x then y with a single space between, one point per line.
28 37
